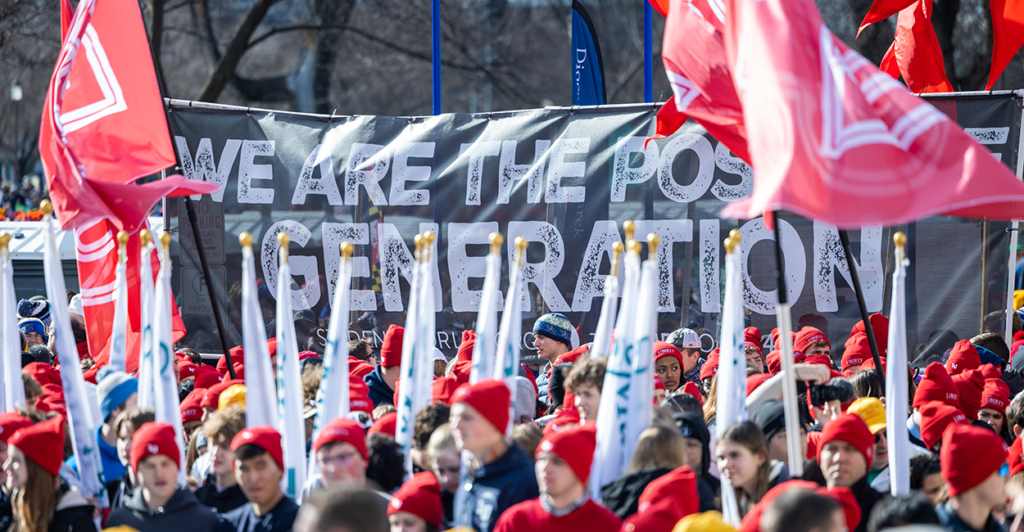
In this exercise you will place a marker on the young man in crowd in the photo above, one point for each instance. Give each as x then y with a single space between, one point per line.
811 341
259 467
552 337
563 468
34 332
160 504
342 457
687 341
116 392
935 385
844 455
973 465
585 383
872 412
382 379
221 490
342 510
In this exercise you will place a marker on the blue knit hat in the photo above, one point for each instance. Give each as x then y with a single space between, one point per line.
988 357
35 309
554 326
28 325
115 387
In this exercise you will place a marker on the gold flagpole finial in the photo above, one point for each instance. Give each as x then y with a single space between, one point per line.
122 239
635 246
418 243
616 255
245 239
652 246
628 228
735 235
900 240
165 239
428 241
46 207
496 241
346 248
521 244
145 237
283 239
5 240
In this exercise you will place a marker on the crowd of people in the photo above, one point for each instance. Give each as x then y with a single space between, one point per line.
963 420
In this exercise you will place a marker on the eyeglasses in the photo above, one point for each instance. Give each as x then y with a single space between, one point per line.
338 460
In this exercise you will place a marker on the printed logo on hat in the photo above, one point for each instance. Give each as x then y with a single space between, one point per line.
338 432
247 435
397 503
546 446
954 365
855 361
952 396
959 418
152 448
993 401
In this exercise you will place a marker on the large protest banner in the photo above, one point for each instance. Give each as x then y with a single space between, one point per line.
564 179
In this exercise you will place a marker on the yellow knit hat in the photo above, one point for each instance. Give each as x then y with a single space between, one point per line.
234 395
705 522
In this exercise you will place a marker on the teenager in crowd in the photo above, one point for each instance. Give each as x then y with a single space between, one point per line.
585 383
10 422
416 507
563 467
446 465
127 422
770 416
502 475
668 365
116 393
382 379
552 338
160 504
688 343
259 467
743 460
995 397
974 467
845 451
342 456
220 490
926 477
872 412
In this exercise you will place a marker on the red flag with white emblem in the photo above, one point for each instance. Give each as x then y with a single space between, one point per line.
834 139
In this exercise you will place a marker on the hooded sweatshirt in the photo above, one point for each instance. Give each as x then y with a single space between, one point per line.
73 513
182 510
494 488
380 393
221 501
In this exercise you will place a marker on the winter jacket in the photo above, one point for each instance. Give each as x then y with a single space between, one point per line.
494 488
622 495
6 512
73 514
380 393
244 519
953 523
221 501
866 499
183 510
112 466
118 490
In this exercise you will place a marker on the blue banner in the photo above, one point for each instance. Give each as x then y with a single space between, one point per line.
588 70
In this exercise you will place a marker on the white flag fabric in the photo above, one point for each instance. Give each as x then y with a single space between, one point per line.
506 364
14 387
603 334
80 420
731 406
614 451
332 399
260 396
896 382
118 330
147 378
168 408
641 378
484 350
289 387
417 368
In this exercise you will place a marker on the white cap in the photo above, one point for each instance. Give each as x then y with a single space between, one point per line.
685 339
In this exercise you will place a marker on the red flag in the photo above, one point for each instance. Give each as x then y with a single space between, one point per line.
881 10
834 139
1007 35
702 86
916 52
65 18
661 6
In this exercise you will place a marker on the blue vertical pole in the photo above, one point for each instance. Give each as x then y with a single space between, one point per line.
435 53
648 52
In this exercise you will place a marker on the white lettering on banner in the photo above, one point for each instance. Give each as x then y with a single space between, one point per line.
462 267
558 168
589 282
540 274
367 165
761 301
395 258
709 267
303 265
202 168
477 152
623 174
333 234
248 170
402 173
705 167
670 232
829 257
730 164
327 185
510 173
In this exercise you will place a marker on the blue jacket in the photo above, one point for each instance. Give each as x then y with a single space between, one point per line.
494 488
112 466
380 392
949 519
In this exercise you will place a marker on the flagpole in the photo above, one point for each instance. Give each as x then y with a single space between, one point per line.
193 221
648 52
435 53
1014 238
844 237
897 437
784 320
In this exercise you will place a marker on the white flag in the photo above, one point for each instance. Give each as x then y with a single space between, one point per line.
14 387
641 378
896 378
260 404
289 386
506 364
168 409
614 451
147 377
603 334
487 322
80 421
332 399
118 330
731 406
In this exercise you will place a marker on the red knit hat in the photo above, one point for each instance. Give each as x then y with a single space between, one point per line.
489 397
191 409
358 368
574 445
570 357
710 366
756 380
420 496
990 371
774 362
807 336
752 520
564 420
857 351
1016 457
664 502
466 347
936 386
969 456
870 364
665 349
851 429
813 439
11 422
846 500
386 424
963 357
443 389
238 358
359 402
42 373
155 437
391 348
461 371
342 430
752 336
658 384
995 395
43 443
356 384
821 360
265 438
970 383
935 417
206 377
211 397
187 369
880 326
691 389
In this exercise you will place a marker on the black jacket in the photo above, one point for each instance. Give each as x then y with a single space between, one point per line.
494 488
380 393
6 512
73 514
953 523
243 519
865 495
222 501
183 510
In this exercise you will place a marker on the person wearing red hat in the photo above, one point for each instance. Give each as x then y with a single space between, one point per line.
10 422
383 378
341 456
191 412
668 365
995 397
259 467
211 397
42 500
974 468
935 418
665 501
708 370
845 452
563 468
386 424
970 384
880 326
221 490
160 504
935 385
503 475
857 352
962 357
416 506
811 341
659 391
752 348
